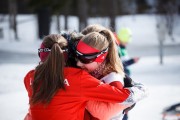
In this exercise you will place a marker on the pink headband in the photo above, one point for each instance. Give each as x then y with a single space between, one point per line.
86 49
43 55
44 52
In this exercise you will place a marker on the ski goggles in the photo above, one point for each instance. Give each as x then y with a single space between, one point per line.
89 58
43 50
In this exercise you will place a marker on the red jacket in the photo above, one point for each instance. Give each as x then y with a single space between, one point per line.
70 104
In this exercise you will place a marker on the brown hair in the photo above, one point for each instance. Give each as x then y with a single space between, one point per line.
49 75
101 40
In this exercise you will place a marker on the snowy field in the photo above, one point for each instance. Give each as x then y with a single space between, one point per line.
17 58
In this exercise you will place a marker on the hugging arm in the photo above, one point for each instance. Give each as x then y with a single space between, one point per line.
107 110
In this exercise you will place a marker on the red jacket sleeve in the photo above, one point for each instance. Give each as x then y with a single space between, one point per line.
117 84
93 89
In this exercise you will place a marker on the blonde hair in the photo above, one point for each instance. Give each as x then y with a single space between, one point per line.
93 28
101 40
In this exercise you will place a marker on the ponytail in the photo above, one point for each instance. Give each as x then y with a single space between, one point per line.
49 76
55 67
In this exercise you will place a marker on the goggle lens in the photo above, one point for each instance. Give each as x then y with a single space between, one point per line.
89 58
86 59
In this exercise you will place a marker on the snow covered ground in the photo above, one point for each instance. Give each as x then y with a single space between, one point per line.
17 58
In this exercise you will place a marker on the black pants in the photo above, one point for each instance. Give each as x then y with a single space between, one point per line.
125 117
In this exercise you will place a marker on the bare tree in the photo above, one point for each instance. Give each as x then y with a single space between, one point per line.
166 11
172 9
58 23
169 8
66 7
113 13
44 21
1 22
161 33
12 17
82 13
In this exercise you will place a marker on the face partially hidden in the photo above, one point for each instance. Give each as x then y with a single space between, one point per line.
88 67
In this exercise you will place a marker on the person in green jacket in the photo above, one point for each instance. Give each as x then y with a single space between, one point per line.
123 37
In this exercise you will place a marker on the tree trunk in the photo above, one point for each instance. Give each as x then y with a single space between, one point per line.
82 11
113 13
112 22
161 53
58 23
12 17
66 22
44 20
161 34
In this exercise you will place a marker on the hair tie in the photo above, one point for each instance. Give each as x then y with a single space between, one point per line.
56 43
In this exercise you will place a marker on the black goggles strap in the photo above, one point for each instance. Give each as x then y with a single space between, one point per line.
44 50
48 50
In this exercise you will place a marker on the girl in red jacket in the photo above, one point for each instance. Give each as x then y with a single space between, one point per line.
97 53
57 92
